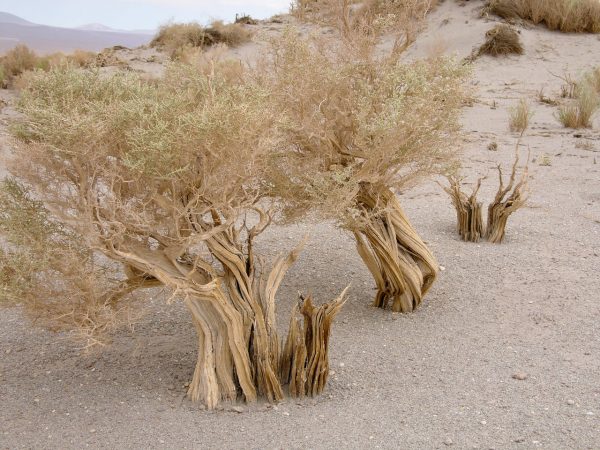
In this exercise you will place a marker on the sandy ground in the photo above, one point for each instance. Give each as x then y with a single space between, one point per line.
441 377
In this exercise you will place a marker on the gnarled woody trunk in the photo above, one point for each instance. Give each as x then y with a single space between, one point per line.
234 314
400 262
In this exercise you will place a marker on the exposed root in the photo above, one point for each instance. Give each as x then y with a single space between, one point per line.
305 360
469 222
507 200
400 262
239 348
502 206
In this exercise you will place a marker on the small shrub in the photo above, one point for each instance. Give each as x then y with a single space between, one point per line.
545 160
245 19
82 58
19 60
176 38
562 15
579 114
546 100
231 34
3 78
501 40
520 116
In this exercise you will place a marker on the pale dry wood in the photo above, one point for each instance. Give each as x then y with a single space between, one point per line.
507 200
401 264
469 221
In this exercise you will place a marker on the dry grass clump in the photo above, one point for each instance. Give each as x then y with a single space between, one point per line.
177 38
563 15
520 116
579 112
501 40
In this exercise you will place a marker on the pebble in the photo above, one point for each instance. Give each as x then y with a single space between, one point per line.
448 442
520 376
570 402
237 409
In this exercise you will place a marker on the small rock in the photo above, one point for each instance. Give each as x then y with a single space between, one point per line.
237 409
342 364
442 268
483 422
448 442
93 430
520 376
570 402
285 413
519 440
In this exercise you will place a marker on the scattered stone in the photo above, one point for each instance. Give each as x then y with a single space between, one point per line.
520 376
519 440
237 409
448 442
570 402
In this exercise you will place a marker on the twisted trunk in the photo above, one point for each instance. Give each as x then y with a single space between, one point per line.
239 354
469 221
401 264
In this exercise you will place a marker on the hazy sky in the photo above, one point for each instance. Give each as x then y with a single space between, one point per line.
137 14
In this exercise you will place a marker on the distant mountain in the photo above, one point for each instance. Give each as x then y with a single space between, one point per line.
11 18
100 27
46 39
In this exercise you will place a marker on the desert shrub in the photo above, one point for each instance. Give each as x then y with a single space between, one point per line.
356 127
82 58
175 38
501 40
3 77
245 19
563 15
22 59
128 185
520 116
18 60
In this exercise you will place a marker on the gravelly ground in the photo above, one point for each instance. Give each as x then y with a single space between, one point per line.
441 377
